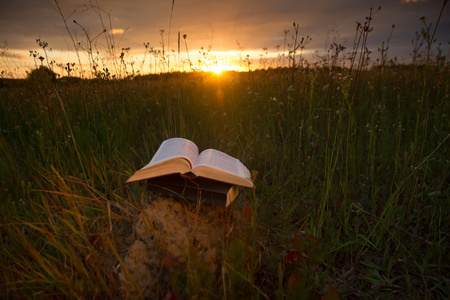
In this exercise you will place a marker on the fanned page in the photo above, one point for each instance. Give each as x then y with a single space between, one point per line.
172 148
218 160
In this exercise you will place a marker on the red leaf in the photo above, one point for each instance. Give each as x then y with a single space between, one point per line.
292 255
173 296
331 294
293 281
169 263
296 286
247 212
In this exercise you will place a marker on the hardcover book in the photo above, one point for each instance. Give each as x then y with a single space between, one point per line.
178 169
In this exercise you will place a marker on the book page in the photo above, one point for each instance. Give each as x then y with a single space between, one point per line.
172 148
219 160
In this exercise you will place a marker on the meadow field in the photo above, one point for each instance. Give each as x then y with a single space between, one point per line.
352 184
351 167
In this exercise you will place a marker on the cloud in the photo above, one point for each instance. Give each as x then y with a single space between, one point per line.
117 31
256 24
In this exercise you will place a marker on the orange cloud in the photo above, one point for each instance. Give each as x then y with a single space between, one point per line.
117 31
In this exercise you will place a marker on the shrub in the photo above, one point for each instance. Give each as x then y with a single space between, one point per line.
42 75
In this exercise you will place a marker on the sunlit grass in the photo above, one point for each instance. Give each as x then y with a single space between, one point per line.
364 187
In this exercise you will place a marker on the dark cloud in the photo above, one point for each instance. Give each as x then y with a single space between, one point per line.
254 23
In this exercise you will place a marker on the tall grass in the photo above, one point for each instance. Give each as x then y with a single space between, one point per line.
369 181
351 194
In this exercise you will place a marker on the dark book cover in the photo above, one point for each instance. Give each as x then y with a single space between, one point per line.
196 189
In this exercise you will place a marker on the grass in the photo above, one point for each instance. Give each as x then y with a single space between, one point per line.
351 192
351 166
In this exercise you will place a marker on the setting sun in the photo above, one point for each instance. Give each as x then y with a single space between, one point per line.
220 67
225 67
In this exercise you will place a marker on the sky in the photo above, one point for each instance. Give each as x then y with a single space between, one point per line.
230 29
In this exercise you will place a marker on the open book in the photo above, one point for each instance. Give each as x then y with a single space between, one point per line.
180 156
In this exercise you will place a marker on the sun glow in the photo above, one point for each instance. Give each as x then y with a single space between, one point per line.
224 67
219 68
